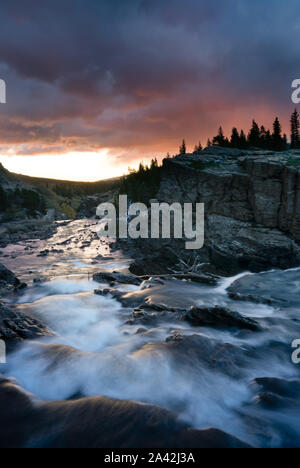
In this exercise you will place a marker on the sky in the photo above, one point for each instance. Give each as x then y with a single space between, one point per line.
95 86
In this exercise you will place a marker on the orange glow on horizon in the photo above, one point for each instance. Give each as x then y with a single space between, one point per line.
74 166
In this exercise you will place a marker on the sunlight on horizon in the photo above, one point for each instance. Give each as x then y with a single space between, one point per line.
74 166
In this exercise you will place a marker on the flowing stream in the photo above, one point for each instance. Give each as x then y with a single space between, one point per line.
208 381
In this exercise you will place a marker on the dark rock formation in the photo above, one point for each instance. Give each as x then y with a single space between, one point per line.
8 281
195 353
219 317
235 296
277 393
252 208
96 423
16 327
116 277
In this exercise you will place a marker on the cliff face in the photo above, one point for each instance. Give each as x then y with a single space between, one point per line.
252 205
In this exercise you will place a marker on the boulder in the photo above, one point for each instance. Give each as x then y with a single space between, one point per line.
219 317
115 277
16 326
8 281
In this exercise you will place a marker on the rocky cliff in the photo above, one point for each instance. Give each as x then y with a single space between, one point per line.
252 206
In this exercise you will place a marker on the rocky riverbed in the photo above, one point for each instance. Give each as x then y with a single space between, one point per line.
195 360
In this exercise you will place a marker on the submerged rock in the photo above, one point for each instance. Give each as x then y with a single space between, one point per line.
219 317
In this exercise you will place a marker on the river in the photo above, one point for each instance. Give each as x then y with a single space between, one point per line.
97 350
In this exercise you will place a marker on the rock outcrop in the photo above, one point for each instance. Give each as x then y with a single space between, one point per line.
252 206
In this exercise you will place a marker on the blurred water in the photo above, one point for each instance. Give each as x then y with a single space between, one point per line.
96 352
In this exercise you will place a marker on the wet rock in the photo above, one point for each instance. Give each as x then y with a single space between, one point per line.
96 422
44 253
194 353
57 251
8 281
38 280
272 401
249 298
219 317
103 292
271 288
152 315
116 277
151 283
202 278
16 327
278 392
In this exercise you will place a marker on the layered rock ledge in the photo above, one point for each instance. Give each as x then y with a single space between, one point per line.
252 207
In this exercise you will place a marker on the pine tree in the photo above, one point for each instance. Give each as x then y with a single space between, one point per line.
268 140
182 149
295 125
198 148
262 137
254 135
243 140
276 136
235 138
220 140
209 143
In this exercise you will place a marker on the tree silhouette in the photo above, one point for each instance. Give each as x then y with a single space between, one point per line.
235 138
295 125
220 140
243 140
278 143
182 149
198 148
254 135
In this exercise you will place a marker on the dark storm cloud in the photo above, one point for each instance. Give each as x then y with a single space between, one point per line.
142 73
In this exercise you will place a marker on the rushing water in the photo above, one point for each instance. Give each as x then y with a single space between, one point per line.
95 351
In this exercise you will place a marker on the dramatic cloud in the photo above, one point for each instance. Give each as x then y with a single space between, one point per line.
137 76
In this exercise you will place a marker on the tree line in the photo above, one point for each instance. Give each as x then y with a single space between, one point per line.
257 137
141 185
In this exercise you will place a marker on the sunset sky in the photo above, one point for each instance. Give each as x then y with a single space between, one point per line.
94 86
